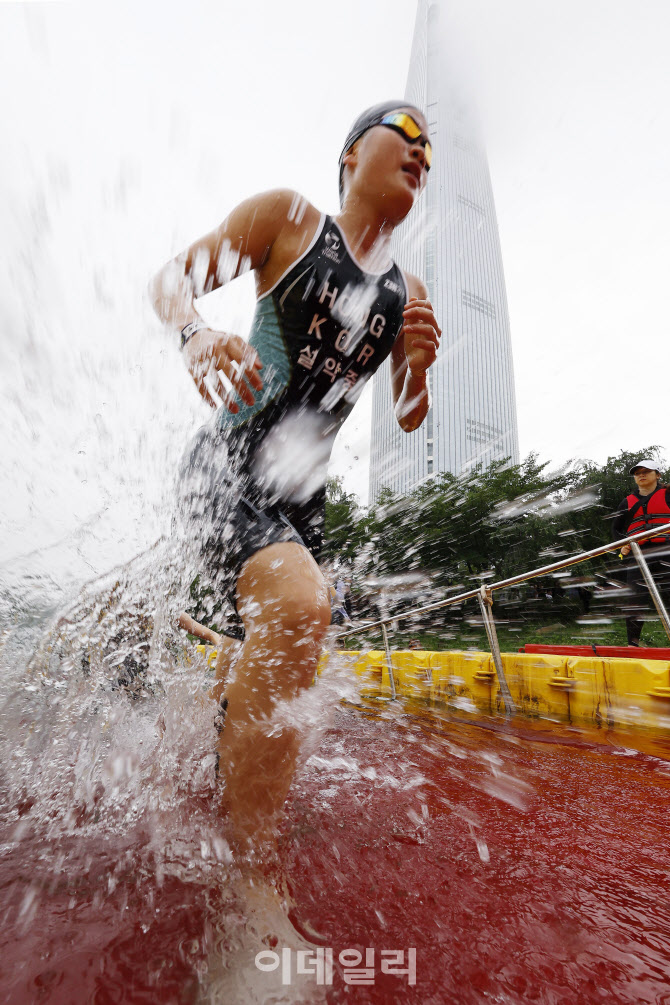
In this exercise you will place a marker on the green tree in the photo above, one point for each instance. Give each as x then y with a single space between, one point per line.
346 523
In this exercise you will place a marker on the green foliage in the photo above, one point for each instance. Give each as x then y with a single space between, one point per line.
346 523
454 533
467 636
205 605
491 523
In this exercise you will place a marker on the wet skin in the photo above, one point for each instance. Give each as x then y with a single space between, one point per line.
281 594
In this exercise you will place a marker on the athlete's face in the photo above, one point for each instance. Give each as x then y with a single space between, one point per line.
388 163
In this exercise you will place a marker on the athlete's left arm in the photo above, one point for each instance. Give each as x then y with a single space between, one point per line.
415 350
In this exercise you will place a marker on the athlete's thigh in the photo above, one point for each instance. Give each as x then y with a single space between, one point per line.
282 583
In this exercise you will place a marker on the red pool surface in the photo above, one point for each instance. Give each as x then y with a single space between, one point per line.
521 867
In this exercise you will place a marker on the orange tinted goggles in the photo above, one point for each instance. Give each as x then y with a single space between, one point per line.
410 130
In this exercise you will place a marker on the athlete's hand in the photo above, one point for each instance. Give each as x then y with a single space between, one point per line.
208 352
421 334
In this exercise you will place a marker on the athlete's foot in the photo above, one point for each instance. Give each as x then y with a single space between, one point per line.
265 897
264 934
301 925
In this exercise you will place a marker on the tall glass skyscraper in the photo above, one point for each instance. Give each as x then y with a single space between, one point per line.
451 240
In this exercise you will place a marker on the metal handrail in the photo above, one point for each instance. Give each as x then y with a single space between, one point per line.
513 580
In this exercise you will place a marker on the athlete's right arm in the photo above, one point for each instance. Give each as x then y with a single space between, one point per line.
243 241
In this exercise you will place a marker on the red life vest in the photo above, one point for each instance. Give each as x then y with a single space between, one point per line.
657 512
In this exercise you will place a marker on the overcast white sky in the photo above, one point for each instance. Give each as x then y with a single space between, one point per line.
130 129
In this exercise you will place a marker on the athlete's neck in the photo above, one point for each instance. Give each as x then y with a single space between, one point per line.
368 235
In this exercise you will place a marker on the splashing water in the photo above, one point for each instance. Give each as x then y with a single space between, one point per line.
481 851
519 870
111 825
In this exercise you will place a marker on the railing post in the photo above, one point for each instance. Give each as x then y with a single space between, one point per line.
544 570
388 661
653 589
485 604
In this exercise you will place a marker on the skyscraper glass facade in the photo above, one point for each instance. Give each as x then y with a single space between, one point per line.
450 240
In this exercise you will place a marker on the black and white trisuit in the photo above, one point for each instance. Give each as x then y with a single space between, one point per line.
258 476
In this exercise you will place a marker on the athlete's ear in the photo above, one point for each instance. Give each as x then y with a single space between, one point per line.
351 156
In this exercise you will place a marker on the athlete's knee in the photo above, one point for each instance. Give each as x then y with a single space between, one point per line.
304 611
293 609
282 590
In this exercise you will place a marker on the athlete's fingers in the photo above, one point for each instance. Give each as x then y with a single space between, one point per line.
236 378
422 331
425 324
198 367
219 353
422 328
238 386
421 313
228 354
237 349
230 404
416 302
424 343
418 306
215 386
251 373
238 361
199 382
227 397
218 386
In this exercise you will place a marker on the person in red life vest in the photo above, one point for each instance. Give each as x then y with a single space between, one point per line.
646 507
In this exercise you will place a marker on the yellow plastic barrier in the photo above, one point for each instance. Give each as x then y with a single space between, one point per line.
538 683
463 675
209 653
373 670
629 691
371 667
412 673
597 690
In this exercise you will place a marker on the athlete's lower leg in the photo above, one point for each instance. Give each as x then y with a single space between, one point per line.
283 602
